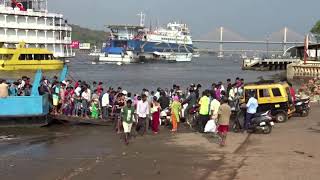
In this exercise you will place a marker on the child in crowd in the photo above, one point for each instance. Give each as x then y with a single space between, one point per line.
94 109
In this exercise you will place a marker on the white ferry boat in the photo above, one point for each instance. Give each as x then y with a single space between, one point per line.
30 21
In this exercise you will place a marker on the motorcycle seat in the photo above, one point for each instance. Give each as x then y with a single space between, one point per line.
259 114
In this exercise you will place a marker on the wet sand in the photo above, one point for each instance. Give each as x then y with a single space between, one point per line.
291 151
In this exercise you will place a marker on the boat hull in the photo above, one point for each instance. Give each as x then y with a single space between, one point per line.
24 111
58 65
118 58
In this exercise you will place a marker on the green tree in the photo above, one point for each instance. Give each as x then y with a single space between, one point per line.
316 31
86 35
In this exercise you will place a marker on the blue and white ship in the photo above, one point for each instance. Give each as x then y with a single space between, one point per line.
130 44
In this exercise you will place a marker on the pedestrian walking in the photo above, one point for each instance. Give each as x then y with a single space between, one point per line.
223 120
252 106
204 111
127 114
155 110
142 113
175 113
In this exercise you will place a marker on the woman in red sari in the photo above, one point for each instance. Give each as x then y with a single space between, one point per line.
155 110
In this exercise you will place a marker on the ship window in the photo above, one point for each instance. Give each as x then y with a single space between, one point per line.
29 56
6 56
22 57
48 57
39 57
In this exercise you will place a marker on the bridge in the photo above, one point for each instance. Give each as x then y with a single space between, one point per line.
223 36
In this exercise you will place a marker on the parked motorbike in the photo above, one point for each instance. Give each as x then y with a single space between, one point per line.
193 115
302 106
262 122
165 116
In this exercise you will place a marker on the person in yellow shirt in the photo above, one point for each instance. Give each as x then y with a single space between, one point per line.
204 104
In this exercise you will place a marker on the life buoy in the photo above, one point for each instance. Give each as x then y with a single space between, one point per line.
20 6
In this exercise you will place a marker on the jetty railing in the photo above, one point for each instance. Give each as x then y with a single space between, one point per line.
300 70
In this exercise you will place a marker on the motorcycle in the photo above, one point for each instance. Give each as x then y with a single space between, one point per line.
262 122
165 116
193 115
302 106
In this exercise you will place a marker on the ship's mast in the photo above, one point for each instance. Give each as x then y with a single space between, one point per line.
142 18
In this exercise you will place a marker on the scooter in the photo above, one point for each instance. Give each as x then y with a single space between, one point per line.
303 106
262 122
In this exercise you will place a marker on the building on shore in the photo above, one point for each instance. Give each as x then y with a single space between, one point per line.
309 64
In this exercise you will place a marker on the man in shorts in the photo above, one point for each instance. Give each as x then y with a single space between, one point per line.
127 114
224 114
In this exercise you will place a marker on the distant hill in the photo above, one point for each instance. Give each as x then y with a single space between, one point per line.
86 35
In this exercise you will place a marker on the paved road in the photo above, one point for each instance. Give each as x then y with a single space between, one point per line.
290 152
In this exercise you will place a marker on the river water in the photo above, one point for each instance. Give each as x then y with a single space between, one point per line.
204 70
133 77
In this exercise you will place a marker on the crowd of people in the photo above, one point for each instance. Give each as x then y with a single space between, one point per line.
92 100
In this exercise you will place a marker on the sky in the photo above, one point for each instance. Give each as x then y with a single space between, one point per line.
249 18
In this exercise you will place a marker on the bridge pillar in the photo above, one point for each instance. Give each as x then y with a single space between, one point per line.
221 43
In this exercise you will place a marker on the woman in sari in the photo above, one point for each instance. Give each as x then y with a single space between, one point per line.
155 110
175 113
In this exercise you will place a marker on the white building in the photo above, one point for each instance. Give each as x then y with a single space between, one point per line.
30 21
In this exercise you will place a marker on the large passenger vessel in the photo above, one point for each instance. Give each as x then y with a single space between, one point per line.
30 21
138 43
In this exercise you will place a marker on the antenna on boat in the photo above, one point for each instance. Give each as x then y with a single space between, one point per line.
46 8
150 28
142 18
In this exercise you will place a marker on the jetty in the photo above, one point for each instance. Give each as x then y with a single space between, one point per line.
267 64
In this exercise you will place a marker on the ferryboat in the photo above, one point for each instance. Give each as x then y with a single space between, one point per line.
22 58
30 110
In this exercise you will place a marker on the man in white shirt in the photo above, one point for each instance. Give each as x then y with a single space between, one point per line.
214 108
85 96
142 112
233 93
252 107
77 101
157 94
105 105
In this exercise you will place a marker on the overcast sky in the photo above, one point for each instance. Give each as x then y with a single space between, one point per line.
250 18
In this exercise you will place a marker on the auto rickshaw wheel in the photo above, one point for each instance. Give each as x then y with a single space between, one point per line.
281 117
